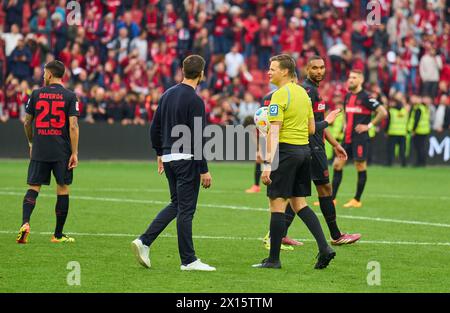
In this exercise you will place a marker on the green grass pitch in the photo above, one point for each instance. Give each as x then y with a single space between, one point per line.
405 223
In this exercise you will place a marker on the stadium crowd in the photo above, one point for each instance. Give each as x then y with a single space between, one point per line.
124 54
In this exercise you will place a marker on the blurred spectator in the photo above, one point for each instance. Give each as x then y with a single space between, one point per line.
247 107
127 23
20 60
358 39
397 28
291 39
59 33
13 10
430 66
115 108
222 33
141 44
399 73
11 39
264 44
219 79
106 32
15 107
202 46
96 108
120 44
442 115
373 65
411 58
337 54
251 27
233 61
40 24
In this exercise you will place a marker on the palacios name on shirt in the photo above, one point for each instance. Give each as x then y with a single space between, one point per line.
49 132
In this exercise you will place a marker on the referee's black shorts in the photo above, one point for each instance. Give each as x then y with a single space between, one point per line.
39 172
292 177
319 166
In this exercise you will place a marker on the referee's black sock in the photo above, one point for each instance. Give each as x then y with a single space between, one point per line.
29 202
312 222
277 228
329 213
257 173
337 178
289 216
362 178
61 210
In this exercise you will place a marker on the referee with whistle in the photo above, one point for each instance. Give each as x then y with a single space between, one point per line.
185 166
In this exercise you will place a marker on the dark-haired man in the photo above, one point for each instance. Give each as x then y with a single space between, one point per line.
185 166
51 127
358 111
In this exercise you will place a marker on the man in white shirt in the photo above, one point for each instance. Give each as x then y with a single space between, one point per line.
11 39
141 44
233 61
429 68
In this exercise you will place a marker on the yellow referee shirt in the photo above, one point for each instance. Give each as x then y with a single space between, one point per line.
292 106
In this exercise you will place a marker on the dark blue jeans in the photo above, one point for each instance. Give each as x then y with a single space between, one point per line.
184 184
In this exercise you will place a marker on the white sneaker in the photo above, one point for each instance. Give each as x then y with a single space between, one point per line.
141 252
197 265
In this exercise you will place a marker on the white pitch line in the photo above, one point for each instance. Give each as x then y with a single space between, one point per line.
232 207
381 242
223 191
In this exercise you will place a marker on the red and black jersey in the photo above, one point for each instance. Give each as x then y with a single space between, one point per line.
266 100
318 109
51 107
358 110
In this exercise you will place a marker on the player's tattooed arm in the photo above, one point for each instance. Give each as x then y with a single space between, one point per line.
74 135
28 126
381 114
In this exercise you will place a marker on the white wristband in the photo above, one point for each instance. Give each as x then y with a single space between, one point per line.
370 125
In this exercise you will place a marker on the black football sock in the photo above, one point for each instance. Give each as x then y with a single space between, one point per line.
277 226
362 178
61 210
29 202
337 178
257 174
289 216
329 213
312 222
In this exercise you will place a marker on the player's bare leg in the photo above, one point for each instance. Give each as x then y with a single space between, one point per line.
29 202
326 253
361 168
61 211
